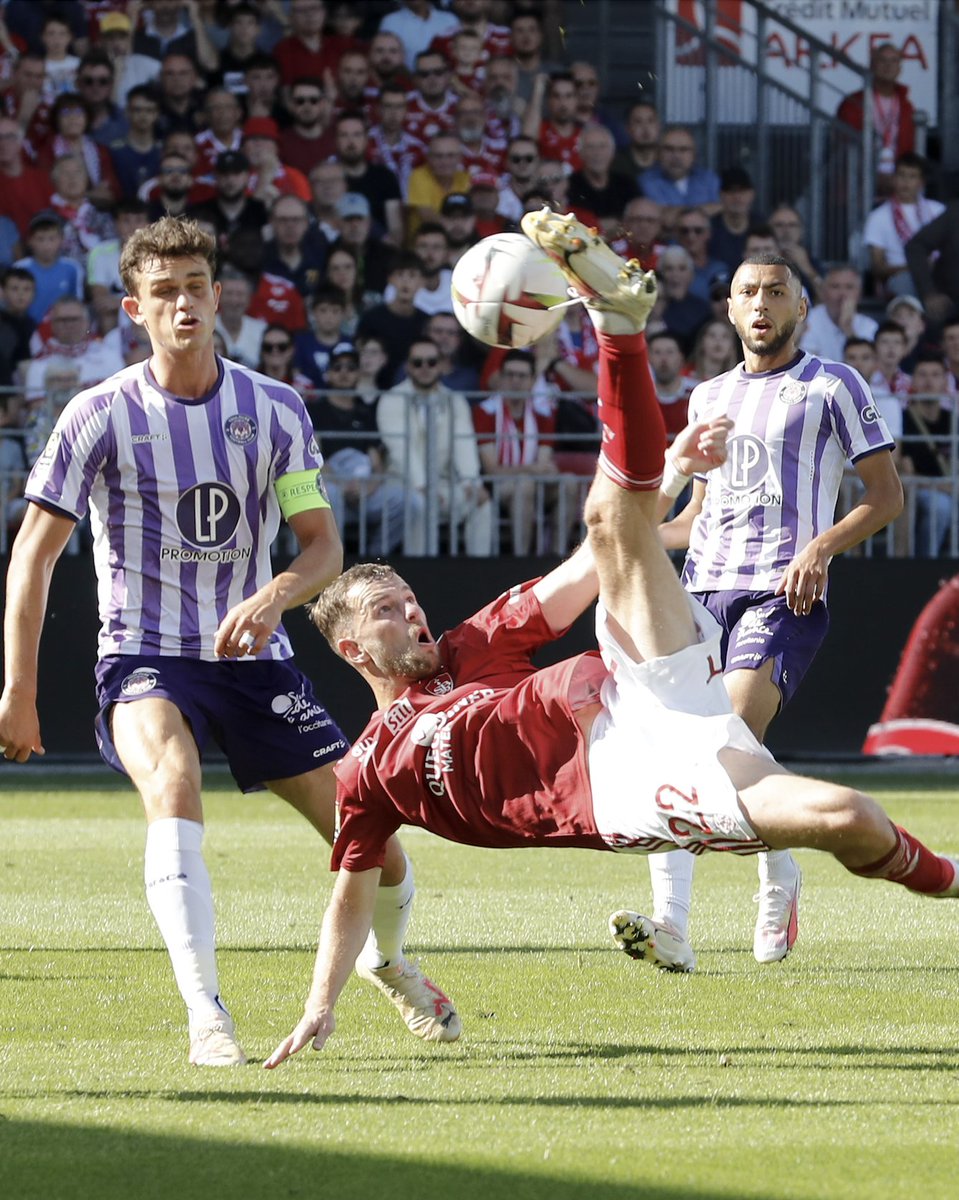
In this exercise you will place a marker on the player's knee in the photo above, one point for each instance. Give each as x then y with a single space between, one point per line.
851 814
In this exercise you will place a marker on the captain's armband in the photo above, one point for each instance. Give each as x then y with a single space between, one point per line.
300 491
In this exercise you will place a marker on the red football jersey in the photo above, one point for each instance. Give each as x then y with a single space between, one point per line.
553 144
277 302
487 752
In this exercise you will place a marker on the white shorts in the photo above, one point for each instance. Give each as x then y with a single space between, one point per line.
655 776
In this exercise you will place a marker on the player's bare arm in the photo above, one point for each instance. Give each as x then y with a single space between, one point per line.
698 448
38 546
804 580
346 924
318 563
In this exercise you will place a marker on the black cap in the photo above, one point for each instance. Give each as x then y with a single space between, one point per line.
735 179
46 216
232 161
456 202
344 350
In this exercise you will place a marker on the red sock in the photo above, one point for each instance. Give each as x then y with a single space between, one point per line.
913 865
634 433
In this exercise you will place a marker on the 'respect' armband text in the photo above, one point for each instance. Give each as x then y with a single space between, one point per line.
300 491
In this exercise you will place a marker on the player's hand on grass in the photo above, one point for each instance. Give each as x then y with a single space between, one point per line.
315 1027
701 446
804 580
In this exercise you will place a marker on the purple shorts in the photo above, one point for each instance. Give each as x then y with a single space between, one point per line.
262 715
758 626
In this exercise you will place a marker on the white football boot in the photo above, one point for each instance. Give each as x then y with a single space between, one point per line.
214 1044
619 295
427 1011
651 941
777 924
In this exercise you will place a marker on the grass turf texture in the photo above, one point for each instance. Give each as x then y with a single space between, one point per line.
579 1074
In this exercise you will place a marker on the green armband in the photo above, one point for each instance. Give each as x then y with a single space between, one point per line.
300 491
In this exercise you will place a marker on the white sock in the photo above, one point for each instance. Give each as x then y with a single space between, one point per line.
181 900
391 916
671 875
776 866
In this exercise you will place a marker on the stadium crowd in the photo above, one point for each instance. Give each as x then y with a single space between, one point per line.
345 154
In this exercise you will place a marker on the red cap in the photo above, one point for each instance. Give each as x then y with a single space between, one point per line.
484 179
264 127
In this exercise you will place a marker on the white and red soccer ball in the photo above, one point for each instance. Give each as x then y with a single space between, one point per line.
505 291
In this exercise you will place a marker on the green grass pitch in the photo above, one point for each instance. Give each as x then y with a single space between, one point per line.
580 1074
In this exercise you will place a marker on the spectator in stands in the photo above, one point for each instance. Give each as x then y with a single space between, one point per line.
830 323
174 184
70 121
888 377
937 281
504 107
890 226
327 182
352 83
416 24
397 322
403 416
642 150
387 66
241 333
244 27
787 225
54 274
315 345
458 218
523 167
596 186
431 106
343 272
437 178
683 312
926 428
473 15
861 354
373 255
277 302
296 252
893 116
59 65
760 240
526 30
377 183
23 190
457 374
84 226
390 144
485 196
135 156
465 53
666 362
261 81
21 96
640 230
103 264
355 460
222 129
550 118
735 217
675 182
589 110
276 358
431 247
910 315
180 95
16 299
269 177
950 348
130 69
310 139
374 368
168 27
237 218
693 232
481 152
70 338
95 82
715 350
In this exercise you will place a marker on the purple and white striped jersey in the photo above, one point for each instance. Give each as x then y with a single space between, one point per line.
794 429
182 498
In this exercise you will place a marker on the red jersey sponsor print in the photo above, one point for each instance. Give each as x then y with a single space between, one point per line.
487 752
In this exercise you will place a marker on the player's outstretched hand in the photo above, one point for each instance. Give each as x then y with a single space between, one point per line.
313 1027
701 446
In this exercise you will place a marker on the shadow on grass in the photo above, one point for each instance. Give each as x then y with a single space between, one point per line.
69 1162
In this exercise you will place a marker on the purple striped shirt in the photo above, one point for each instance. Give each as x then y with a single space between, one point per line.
794 431
182 500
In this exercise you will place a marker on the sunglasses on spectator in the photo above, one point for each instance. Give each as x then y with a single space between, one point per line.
99 80
344 364
276 347
522 158
423 362
433 72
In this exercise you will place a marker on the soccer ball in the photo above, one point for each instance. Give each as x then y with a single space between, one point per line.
505 290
